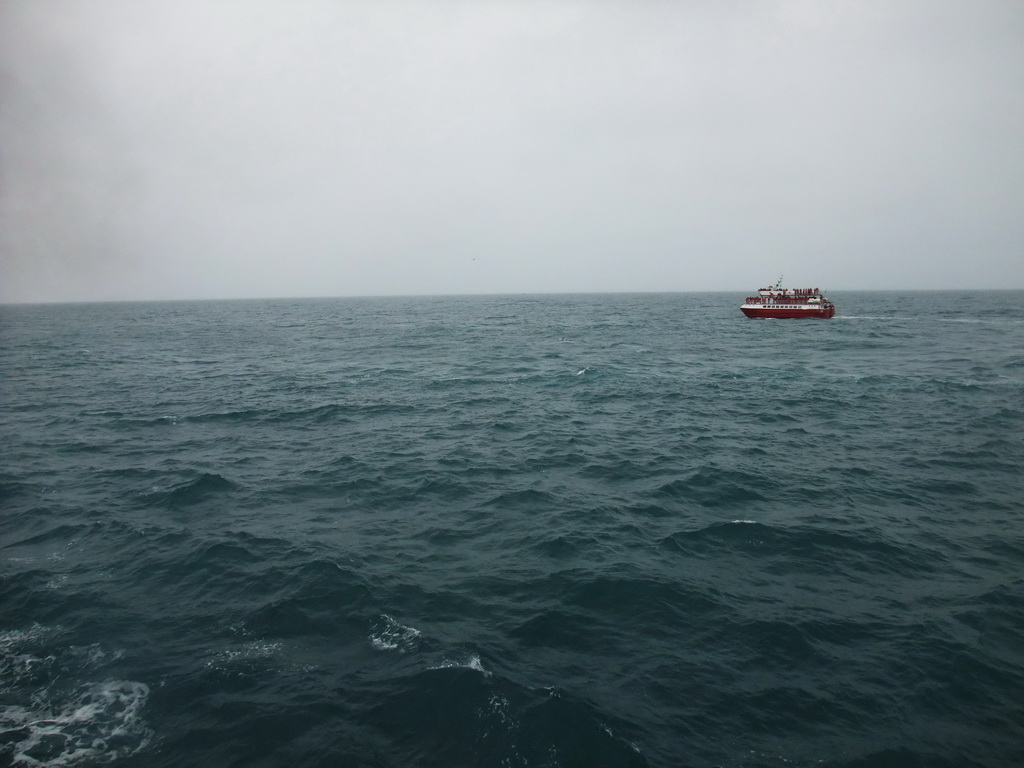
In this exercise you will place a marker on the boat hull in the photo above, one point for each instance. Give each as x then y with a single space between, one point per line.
785 313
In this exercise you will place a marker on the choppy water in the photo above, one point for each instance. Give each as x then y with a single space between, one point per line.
513 531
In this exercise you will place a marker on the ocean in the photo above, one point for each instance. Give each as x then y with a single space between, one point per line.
510 531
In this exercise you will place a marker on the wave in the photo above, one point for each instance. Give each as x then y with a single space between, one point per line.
459 713
202 488
59 533
318 598
330 413
530 499
804 547
712 487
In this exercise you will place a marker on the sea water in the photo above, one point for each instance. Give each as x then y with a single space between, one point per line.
588 530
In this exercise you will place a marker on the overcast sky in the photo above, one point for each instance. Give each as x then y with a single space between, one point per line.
153 150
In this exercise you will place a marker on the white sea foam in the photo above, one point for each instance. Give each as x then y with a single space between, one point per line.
497 714
473 662
257 649
747 522
21 660
93 724
388 635
91 655
14 637
48 723
58 582
500 707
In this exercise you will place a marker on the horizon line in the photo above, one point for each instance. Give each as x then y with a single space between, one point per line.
8 303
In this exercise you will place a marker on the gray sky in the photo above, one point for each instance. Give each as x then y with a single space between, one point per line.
204 149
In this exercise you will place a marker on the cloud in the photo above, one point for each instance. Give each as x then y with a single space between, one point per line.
246 149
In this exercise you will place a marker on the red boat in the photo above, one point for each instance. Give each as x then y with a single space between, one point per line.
782 302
